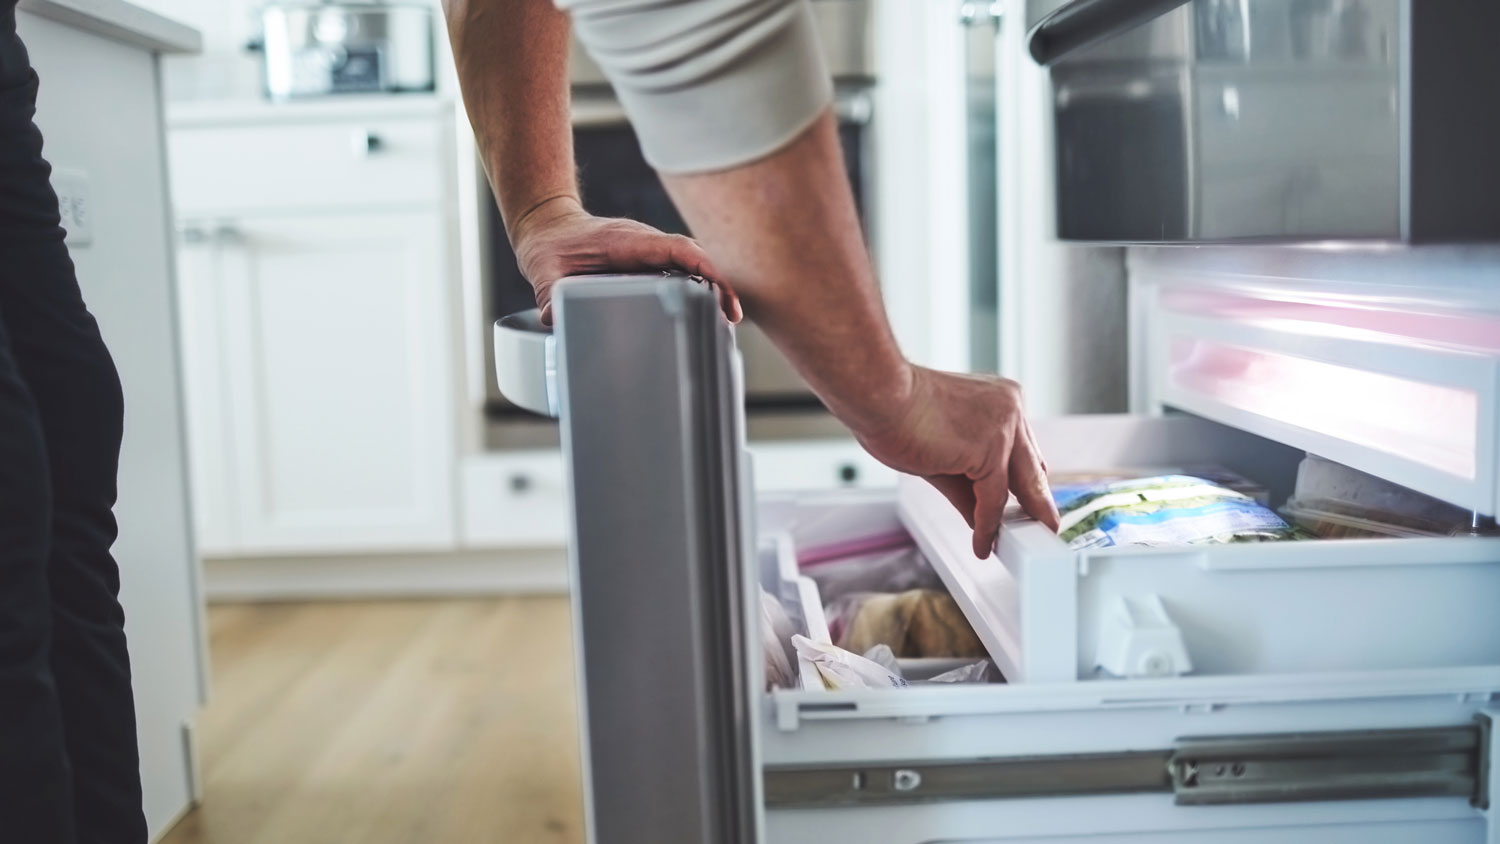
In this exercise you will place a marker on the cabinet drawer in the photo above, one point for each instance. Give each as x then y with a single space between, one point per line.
817 465
1047 613
515 500
334 165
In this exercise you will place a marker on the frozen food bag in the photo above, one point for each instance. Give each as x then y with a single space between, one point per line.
917 623
1163 510
845 671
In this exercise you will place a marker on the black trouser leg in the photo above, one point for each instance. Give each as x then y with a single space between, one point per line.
60 357
36 801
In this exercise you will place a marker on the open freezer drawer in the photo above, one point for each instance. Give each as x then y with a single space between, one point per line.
683 743
1395 755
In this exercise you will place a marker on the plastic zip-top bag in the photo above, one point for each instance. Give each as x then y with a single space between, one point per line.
1163 510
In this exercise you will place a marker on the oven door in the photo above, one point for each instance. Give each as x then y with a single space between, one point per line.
617 182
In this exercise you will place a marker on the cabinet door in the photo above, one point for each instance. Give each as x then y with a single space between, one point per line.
201 320
340 393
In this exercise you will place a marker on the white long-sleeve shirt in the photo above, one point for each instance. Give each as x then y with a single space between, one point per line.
708 84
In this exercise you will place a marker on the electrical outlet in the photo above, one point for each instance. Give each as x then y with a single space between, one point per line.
75 199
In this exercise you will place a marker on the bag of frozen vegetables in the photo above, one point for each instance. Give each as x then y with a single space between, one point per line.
1162 510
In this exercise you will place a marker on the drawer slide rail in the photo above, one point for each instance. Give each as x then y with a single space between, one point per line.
1281 768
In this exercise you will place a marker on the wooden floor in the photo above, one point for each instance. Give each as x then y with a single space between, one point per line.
419 721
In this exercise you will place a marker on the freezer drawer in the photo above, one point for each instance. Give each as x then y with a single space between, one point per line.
683 742
1047 613
1203 758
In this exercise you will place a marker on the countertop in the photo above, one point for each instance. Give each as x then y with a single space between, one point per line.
121 21
184 114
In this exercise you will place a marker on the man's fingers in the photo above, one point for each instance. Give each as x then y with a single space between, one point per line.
991 493
1031 487
685 253
658 251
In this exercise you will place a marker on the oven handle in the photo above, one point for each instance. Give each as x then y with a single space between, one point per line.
526 362
1083 22
852 108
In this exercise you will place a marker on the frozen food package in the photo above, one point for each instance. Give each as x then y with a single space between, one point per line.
917 623
845 671
1216 475
1163 510
1337 502
776 631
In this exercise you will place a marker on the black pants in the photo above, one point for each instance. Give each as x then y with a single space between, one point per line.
69 767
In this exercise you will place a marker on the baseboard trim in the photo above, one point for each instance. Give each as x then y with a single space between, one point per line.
459 574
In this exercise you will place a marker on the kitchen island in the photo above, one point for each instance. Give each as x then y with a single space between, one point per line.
100 112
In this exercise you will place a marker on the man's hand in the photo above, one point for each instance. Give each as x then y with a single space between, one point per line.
967 436
559 239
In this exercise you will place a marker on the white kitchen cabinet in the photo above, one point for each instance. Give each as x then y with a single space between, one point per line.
319 383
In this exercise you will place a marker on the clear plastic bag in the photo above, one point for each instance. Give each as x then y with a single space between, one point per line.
845 671
891 570
1162 510
1337 502
977 672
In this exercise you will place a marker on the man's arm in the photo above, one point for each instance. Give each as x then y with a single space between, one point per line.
731 108
512 59
784 231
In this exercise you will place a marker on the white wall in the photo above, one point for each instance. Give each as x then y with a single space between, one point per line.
1062 306
126 276
224 70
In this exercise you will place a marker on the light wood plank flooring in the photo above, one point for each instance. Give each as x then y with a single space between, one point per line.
399 722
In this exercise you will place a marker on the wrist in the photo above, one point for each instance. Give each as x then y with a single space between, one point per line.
540 214
883 404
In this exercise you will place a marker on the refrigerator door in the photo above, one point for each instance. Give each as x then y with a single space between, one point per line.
649 387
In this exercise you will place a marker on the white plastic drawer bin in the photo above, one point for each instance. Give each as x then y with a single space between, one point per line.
1047 613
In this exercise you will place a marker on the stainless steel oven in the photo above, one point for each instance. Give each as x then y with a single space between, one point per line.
617 182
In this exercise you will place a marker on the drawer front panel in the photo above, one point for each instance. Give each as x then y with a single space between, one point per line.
514 500
336 165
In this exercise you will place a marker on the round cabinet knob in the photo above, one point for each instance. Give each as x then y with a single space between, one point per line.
848 473
366 143
520 483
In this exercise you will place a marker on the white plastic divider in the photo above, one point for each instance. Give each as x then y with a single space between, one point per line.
1026 646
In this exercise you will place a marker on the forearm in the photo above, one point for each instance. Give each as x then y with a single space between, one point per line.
784 231
512 59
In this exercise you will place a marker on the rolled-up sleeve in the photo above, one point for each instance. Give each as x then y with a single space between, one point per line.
708 84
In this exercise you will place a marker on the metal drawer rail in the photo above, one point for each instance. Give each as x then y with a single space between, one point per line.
1446 762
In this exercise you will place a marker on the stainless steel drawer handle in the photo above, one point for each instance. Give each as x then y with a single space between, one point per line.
1082 22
